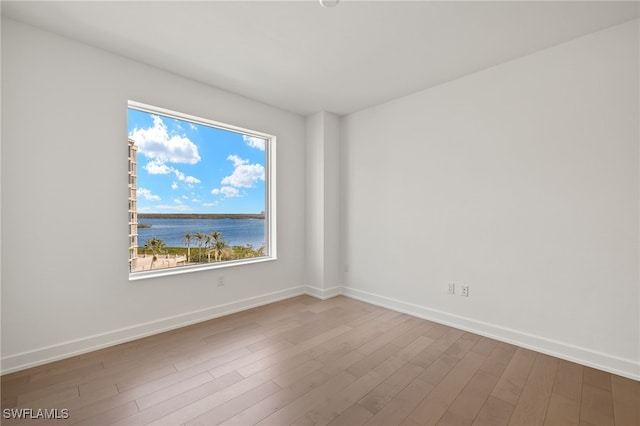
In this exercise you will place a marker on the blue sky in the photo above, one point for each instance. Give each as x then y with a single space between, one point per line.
185 167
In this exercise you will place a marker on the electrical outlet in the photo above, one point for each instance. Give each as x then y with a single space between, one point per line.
451 288
221 281
464 290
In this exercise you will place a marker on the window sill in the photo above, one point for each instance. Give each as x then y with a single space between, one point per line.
196 268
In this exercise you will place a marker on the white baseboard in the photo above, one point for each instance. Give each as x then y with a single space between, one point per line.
623 367
71 348
323 293
606 362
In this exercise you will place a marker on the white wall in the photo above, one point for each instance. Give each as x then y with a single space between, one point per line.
322 204
65 284
520 181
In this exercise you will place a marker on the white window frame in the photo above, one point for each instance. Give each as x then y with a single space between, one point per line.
270 195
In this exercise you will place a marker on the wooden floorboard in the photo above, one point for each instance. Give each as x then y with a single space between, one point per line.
303 361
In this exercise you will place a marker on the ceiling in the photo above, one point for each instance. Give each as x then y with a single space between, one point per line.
304 58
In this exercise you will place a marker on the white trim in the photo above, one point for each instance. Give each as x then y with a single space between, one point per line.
135 276
71 348
623 367
152 109
323 293
270 192
606 362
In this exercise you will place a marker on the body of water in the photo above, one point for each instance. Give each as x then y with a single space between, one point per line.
235 232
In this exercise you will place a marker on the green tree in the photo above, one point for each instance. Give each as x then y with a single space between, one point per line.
200 239
219 247
187 241
207 245
156 245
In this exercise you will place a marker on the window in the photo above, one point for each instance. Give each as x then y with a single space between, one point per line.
201 193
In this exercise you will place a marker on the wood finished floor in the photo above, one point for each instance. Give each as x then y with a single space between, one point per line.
303 361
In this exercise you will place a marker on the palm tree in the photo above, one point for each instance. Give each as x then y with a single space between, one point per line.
200 239
219 247
207 244
156 245
187 241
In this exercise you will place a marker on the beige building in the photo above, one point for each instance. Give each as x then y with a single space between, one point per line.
133 207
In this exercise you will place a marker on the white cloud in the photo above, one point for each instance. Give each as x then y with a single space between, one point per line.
156 143
254 142
229 192
177 201
193 126
181 177
147 195
157 167
191 179
178 174
237 161
195 200
210 204
245 175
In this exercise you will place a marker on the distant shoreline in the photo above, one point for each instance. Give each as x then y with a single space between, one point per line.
200 216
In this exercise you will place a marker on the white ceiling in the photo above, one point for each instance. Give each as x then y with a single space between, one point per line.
304 58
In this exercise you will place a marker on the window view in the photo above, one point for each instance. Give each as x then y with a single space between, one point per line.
198 191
